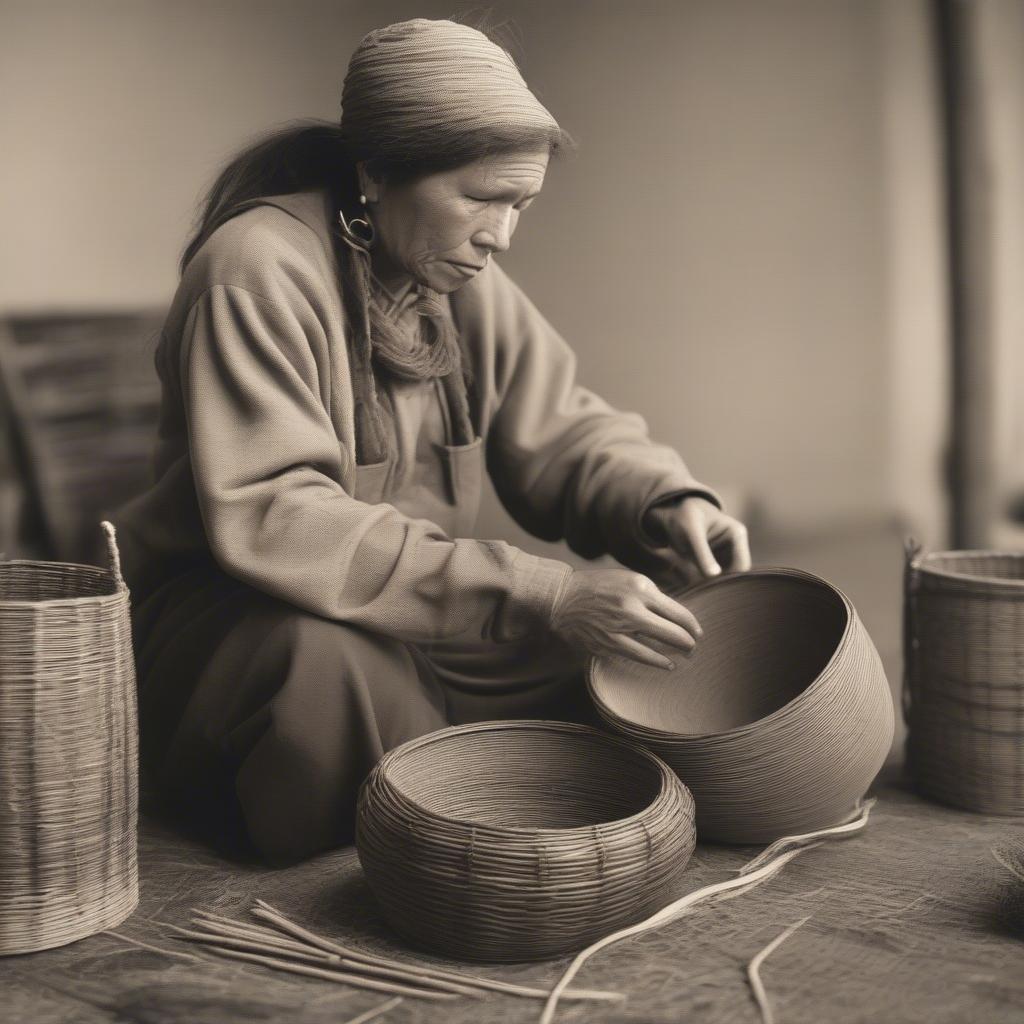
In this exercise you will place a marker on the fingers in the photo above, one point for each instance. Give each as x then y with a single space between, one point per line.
740 547
677 576
669 608
694 526
652 614
699 544
704 535
627 647
730 544
656 628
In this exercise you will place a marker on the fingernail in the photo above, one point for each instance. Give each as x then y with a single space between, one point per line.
671 665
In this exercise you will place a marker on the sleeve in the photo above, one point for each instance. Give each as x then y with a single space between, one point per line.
565 463
267 469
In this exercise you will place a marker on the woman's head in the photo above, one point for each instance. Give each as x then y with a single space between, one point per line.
441 228
449 144
422 100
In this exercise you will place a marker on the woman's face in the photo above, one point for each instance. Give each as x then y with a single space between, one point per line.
440 230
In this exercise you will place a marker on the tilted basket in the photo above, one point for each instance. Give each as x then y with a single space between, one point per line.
963 696
521 840
780 719
68 752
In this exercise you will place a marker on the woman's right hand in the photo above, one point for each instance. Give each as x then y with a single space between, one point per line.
618 612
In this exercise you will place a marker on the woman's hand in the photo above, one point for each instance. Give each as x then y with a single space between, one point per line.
620 612
696 531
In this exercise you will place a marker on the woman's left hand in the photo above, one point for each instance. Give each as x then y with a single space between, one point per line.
697 530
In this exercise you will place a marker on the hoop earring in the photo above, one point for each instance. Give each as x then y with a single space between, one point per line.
358 231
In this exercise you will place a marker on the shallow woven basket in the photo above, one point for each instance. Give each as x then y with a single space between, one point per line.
780 719
68 761
963 696
511 841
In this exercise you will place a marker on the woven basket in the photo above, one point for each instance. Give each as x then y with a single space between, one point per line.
963 696
780 719
512 841
68 762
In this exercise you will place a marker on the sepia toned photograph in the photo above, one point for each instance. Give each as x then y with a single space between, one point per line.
512 512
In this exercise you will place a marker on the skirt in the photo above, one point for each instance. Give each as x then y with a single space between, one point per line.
259 720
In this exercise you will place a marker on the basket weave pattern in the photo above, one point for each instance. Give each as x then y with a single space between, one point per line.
964 677
781 718
68 753
511 841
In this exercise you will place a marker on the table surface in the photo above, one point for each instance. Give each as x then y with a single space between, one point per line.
913 920
908 921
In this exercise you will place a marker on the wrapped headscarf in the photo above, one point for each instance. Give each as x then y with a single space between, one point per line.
423 95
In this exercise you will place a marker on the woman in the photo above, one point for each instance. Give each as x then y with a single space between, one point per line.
341 362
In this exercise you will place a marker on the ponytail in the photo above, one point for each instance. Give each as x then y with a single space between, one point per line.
311 155
300 156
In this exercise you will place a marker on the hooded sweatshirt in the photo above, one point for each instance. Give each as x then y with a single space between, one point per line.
255 459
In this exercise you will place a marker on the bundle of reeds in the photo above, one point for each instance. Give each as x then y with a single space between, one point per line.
275 941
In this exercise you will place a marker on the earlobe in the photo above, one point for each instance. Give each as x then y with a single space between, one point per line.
367 186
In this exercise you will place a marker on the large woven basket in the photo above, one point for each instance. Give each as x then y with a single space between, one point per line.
781 718
512 841
963 696
68 752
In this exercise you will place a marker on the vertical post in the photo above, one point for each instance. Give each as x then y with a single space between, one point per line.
968 216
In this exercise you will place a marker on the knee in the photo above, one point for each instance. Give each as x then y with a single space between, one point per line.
342 642
348 695
345 668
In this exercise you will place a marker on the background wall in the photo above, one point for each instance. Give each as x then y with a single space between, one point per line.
745 248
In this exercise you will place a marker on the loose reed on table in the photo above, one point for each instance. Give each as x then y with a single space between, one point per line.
275 941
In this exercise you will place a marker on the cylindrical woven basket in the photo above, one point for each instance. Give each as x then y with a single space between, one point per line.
778 722
963 695
68 752
521 840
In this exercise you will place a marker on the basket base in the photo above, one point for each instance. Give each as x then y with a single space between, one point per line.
91 923
976 805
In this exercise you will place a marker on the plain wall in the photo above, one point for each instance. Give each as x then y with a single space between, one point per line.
718 251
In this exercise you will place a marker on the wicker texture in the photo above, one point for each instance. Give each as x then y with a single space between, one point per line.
68 753
963 696
511 841
779 721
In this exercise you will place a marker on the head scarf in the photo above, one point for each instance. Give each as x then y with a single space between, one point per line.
418 87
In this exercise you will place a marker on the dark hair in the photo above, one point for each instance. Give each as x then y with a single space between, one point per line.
296 157
313 154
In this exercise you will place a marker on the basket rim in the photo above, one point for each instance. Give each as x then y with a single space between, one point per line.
921 564
51 602
738 730
668 777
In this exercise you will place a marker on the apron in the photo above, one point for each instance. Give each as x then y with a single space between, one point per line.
445 481
427 476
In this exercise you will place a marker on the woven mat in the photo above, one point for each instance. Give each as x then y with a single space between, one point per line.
905 926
